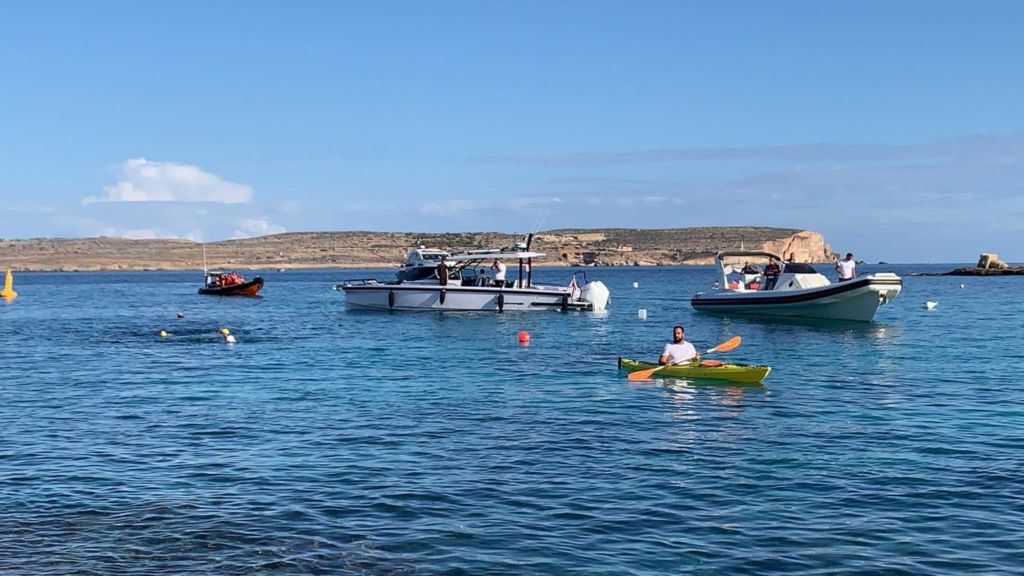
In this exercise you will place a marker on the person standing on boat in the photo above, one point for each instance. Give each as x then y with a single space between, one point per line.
771 273
442 273
499 272
847 268
678 351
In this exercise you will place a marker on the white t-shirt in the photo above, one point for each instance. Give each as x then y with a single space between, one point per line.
846 268
679 352
499 274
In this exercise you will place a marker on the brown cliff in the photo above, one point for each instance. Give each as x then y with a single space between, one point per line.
601 247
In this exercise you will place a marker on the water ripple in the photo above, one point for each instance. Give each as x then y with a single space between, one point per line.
334 442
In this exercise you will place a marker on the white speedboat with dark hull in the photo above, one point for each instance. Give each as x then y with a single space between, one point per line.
418 287
799 292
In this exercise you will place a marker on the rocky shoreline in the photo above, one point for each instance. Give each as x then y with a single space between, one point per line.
566 247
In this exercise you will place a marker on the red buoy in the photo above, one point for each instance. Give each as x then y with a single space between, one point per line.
524 338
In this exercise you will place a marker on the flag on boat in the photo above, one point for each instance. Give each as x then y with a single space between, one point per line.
574 288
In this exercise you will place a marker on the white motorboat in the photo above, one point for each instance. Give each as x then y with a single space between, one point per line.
799 292
418 287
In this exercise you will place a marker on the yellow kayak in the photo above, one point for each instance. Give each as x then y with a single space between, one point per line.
744 373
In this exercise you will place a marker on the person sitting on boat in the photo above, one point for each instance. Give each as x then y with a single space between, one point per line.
442 272
481 277
749 268
678 351
771 273
847 268
499 272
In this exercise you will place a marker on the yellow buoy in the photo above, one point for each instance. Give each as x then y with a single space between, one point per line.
8 291
163 333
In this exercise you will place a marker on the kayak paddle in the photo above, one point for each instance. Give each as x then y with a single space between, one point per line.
723 347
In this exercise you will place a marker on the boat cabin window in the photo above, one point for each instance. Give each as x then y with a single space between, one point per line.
416 273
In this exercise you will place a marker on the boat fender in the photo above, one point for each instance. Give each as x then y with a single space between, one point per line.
391 298
501 302
443 294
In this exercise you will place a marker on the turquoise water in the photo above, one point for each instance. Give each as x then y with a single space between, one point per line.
339 442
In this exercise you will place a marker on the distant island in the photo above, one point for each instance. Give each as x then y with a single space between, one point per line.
567 247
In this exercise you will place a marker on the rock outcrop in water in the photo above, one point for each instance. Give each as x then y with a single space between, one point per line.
587 247
989 264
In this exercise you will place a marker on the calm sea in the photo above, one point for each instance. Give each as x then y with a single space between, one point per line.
339 442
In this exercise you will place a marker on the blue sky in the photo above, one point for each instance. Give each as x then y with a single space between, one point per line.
895 128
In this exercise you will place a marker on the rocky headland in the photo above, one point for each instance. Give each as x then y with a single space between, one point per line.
569 247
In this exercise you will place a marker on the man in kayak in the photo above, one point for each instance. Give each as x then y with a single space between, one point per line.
678 351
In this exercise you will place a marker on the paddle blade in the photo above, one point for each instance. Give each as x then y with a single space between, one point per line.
727 345
643 374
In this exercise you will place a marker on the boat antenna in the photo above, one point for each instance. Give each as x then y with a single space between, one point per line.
204 259
540 221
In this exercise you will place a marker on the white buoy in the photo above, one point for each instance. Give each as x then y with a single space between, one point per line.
636 284
642 314
929 305
961 285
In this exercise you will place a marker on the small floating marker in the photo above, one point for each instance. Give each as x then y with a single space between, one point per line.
961 285
164 334
8 291
524 338
930 305
642 314
636 284
181 314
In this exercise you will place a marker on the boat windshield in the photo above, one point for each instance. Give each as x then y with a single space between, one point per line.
798 268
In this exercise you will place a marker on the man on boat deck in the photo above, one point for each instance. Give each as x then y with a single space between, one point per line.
442 273
847 269
771 273
678 351
499 272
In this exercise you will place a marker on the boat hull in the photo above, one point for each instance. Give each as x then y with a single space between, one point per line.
856 300
250 288
740 373
411 297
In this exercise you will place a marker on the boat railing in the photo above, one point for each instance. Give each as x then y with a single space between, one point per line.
357 282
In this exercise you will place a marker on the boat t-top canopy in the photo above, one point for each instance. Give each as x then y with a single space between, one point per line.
489 254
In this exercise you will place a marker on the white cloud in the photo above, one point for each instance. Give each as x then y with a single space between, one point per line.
251 227
138 233
141 180
452 208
